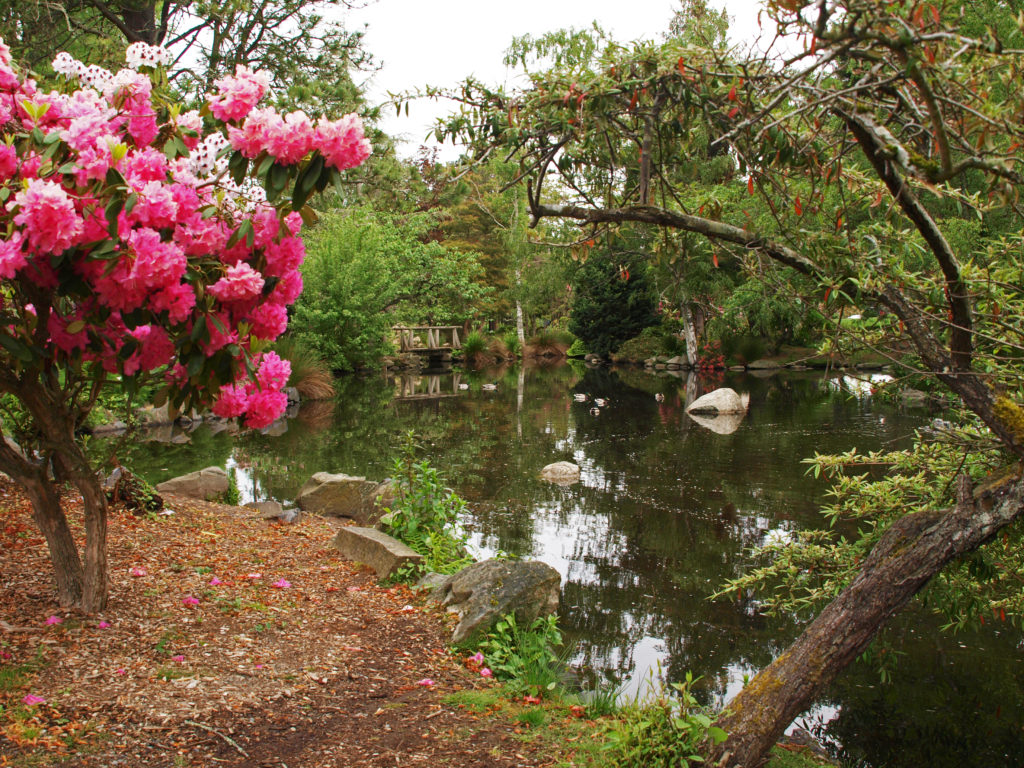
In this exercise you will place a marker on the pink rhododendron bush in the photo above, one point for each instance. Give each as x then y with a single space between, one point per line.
143 242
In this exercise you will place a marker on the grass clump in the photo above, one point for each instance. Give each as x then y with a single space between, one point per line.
310 375
549 343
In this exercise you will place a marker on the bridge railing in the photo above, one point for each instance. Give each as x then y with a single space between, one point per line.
416 338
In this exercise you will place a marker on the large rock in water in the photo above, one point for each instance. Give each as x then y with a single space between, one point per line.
338 495
561 473
484 592
209 484
723 400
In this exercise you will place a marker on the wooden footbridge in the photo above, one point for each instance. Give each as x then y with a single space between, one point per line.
433 340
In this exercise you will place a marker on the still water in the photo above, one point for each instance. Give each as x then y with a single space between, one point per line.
665 511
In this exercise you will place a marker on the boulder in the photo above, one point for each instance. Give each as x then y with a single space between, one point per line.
339 495
272 510
484 592
293 395
764 365
720 401
561 473
208 484
375 548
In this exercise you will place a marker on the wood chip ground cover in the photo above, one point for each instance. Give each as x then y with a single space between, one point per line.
230 641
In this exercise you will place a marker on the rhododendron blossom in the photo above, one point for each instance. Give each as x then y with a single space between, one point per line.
48 216
140 245
237 95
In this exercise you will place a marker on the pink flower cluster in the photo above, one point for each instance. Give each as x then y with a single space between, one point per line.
239 94
260 400
129 248
291 137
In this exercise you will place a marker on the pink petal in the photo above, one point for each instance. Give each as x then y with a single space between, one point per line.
281 584
103 624
54 620
254 576
485 672
215 582
122 671
190 601
426 682
179 657
31 699
137 572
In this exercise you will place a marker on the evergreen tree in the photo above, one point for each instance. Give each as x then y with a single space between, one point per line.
612 303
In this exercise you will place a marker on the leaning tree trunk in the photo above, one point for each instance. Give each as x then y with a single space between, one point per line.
909 553
44 497
78 586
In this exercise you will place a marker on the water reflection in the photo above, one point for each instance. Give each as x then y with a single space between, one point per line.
664 512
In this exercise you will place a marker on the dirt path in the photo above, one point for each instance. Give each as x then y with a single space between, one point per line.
229 641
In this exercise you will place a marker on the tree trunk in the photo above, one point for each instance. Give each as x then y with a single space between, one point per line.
48 516
910 552
690 334
94 593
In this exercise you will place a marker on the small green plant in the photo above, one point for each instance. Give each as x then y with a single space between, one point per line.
167 674
525 657
425 514
13 677
667 732
231 495
167 639
532 717
511 341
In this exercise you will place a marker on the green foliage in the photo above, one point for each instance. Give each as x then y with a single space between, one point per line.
577 349
612 303
366 271
802 572
756 308
425 514
669 732
525 656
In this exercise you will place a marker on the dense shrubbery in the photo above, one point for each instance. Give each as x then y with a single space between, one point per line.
652 341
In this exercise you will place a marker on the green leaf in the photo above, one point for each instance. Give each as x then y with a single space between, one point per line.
238 166
16 347
111 213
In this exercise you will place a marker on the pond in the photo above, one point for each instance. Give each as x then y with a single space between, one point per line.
665 511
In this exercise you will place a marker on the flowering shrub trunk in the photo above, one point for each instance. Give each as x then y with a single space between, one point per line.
139 243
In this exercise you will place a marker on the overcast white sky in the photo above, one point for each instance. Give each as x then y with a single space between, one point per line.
441 42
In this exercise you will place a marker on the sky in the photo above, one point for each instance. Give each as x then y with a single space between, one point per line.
441 42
